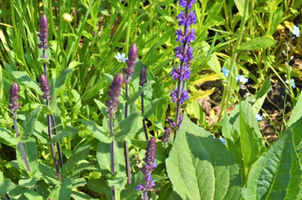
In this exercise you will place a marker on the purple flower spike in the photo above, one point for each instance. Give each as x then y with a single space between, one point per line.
148 168
45 87
187 3
14 97
114 93
185 75
131 62
43 33
166 136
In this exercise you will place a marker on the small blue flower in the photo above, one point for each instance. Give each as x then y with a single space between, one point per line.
259 117
296 31
121 57
222 140
241 79
292 82
225 71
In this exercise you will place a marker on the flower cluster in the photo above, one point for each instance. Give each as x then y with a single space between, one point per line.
131 62
14 97
148 168
114 93
45 87
259 117
225 72
241 79
43 33
296 31
184 52
143 76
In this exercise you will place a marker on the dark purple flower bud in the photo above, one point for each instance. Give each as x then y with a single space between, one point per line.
173 123
143 76
43 33
114 93
131 62
166 136
45 87
150 152
14 97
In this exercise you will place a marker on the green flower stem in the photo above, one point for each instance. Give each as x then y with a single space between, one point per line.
58 143
231 80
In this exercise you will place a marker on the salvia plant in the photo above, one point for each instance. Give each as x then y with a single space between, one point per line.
150 100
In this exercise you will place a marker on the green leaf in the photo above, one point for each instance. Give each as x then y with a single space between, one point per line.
295 124
7 139
28 183
63 77
252 145
103 157
257 43
79 154
76 195
151 108
146 86
261 95
98 132
200 167
129 126
276 175
6 186
130 192
29 124
61 191
31 153
27 81
101 106
31 194
48 174
99 186
67 132
240 6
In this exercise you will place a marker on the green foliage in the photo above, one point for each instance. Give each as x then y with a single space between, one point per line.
250 38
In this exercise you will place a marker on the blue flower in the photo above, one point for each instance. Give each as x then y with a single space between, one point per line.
121 57
186 72
292 82
296 31
259 117
225 71
222 140
187 3
241 79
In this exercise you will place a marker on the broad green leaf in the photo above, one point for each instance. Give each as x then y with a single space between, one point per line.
130 192
101 106
76 195
6 186
27 81
61 191
165 192
31 152
63 77
29 124
273 5
257 43
129 126
6 138
103 157
150 108
295 124
79 154
251 142
48 174
98 132
277 174
99 186
31 194
28 183
240 6
67 132
200 167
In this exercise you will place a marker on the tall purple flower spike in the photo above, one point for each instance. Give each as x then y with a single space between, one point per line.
184 52
131 62
14 97
114 93
43 33
45 87
148 168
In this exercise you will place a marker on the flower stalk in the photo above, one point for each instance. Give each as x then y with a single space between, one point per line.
184 52
112 104
46 96
43 46
142 81
129 71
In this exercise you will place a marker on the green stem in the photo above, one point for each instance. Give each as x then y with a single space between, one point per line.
231 80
